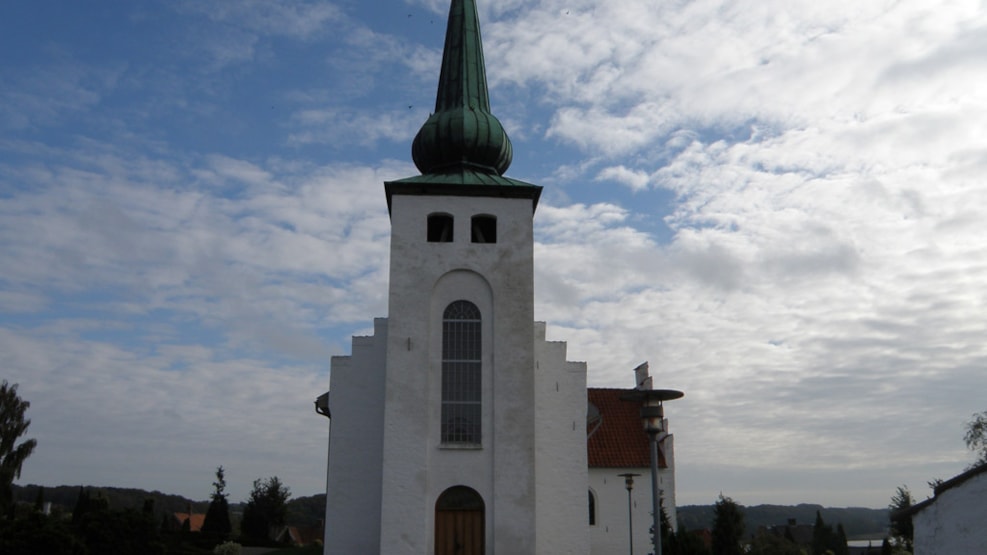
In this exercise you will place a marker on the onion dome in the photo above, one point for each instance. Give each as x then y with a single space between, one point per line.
462 134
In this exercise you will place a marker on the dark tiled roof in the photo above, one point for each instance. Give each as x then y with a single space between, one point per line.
619 441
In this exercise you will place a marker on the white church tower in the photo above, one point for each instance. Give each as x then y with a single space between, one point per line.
456 428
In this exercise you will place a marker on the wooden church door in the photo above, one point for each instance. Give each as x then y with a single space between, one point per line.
459 522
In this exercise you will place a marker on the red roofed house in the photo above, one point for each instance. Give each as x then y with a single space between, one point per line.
617 444
195 521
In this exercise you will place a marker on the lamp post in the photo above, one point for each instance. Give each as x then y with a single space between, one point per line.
653 417
629 484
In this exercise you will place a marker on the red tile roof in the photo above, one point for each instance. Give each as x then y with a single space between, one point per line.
620 440
195 522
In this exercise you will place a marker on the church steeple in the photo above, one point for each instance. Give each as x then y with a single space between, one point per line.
462 136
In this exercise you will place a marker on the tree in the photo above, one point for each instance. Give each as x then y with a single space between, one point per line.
266 510
12 456
728 527
901 525
684 542
976 436
81 505
820 536
218 515
840 545
39 500
772 544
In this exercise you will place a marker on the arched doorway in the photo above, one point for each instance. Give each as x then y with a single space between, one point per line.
459 522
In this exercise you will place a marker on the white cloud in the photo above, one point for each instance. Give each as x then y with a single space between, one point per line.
636 180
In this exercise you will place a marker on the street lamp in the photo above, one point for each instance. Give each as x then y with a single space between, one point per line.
629 484
653 416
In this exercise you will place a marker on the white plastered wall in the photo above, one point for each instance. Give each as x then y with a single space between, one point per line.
356 400
425 277
956 522
560 414
610 533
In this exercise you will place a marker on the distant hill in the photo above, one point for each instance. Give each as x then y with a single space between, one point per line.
64 498
857 521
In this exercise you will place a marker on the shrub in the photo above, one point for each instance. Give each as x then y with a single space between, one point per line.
227 548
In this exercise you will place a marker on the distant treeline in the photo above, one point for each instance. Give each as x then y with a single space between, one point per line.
308 511
302 511
857 521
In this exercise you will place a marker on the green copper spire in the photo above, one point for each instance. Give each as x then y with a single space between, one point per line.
462 134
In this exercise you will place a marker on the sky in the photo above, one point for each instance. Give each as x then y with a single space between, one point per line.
776 203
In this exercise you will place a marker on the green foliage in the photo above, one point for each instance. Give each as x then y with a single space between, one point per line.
840 546
37 533
66 497
772 544
81 506
822 536
857 521
307 511
827 542
126 531
976 436
217 520
12 456
39 500
728 527
266 510
901 525
684 542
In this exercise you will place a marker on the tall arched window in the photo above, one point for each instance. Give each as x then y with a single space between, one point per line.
461 373
592 509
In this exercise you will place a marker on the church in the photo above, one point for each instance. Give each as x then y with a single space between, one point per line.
457 428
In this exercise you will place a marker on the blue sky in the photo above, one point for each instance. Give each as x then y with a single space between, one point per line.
778 204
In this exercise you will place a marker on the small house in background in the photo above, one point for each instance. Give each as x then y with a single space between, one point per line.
954 520
617 446
300 536
195 521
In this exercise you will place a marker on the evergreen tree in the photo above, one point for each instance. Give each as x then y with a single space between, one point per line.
821 536
266 510
840 546
81 505
771 544
886 547
39 500
37 534
728 527
688 543
12 456
901 525
667 538
218 515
